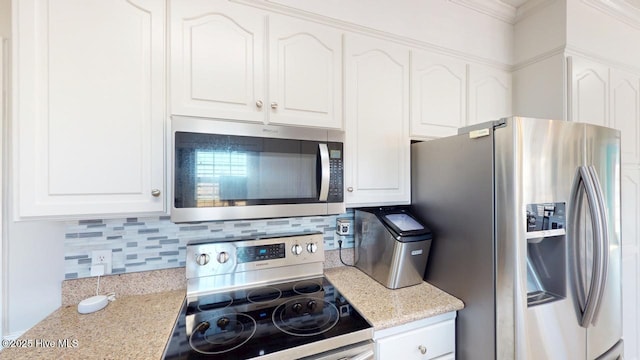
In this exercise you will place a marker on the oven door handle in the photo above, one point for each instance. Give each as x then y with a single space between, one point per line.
324 172
367 355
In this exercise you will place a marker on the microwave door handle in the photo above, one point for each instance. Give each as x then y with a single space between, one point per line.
604 241
325 172
596 274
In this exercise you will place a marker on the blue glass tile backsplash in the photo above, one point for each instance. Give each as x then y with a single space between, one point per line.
151 243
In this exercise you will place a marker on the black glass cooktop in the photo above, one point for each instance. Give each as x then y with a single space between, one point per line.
248 323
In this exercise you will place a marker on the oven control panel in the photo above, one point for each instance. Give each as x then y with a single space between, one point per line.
258 253
225 257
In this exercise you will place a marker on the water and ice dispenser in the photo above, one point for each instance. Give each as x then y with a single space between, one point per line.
546 253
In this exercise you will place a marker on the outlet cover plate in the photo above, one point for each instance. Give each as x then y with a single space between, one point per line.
102 257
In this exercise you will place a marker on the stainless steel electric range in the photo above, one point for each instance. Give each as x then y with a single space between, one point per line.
265 298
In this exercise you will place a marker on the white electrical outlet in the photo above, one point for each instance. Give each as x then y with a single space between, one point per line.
102 257
343 227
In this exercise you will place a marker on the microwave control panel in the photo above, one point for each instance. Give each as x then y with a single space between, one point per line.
336 171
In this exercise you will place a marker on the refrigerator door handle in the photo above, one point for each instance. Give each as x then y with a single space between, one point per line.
604 241
587 298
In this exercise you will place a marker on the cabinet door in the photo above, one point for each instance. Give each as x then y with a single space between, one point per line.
439 95
489 94
377 134
625 113
217 62
305 74
630 199
89 106
430 342
589 94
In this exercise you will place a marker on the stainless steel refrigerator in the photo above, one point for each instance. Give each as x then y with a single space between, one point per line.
526 221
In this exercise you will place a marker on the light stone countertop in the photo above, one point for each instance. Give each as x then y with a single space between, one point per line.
132 327
385 308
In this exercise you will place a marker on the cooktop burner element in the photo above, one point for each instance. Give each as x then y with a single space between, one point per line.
222 333
307 287
266 307
299 317
264 295
216 302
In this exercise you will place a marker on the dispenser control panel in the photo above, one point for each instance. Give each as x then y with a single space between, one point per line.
545 216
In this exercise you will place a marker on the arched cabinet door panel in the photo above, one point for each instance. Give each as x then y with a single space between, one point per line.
377 136
217 60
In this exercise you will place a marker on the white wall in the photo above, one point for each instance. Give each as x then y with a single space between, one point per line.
611 39
442 23
539 89
35 272
540 32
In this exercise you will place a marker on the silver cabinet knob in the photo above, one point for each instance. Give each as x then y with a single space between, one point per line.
155 192
312 247
423 349
259 104
223 257
350 189
274 105
296 249
202 259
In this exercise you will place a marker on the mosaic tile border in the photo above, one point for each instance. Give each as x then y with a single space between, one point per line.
153 243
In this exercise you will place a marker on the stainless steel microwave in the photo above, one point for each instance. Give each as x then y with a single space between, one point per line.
229 170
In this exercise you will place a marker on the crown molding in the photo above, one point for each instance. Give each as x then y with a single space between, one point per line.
273 6
495 9
621 10
530 7
503 11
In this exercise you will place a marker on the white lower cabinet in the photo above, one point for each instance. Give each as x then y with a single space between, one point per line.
431 338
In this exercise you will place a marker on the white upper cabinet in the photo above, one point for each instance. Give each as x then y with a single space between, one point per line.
489 94
89 107
625 113
438 94
589 94
305 74
217 60
377 135
219 67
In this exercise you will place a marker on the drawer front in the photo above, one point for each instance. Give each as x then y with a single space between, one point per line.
435 341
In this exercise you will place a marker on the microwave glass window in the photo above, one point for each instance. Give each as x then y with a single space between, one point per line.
211 167
222 170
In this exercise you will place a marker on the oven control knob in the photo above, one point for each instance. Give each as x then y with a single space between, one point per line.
202 259
296 249
312 305
223 257
312 247
297 307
